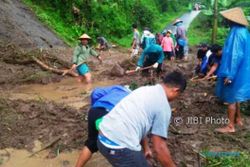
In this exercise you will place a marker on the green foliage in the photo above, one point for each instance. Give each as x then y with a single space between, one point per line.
143 15
243 160
245 109
133 85
109 18
201 29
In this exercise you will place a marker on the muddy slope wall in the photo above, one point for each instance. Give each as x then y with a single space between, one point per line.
21 27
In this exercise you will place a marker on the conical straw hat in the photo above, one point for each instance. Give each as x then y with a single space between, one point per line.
236 15
177 21
84 36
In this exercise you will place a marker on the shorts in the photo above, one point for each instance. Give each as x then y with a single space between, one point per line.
83 69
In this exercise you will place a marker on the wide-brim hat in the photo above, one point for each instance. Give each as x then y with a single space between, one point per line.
177 21
235 15
169 31
84 36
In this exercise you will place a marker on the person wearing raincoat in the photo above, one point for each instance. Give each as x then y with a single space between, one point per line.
233 84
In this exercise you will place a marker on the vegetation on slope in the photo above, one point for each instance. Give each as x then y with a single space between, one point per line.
109 18
201 29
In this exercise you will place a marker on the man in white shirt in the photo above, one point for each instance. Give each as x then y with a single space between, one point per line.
146 111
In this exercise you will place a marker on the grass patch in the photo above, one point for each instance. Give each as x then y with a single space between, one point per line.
237 159
197 32
167 18
200 31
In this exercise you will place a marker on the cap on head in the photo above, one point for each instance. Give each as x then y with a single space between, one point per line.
177 21
235 15
84 36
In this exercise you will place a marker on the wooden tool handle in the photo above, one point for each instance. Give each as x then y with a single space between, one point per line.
141 69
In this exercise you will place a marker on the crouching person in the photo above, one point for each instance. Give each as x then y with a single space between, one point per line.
145 111
151 56
102 101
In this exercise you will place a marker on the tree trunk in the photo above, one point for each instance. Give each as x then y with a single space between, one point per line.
54 70
215 22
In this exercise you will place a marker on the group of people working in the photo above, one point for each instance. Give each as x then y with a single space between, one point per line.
121 122
158 48
230 65
209 59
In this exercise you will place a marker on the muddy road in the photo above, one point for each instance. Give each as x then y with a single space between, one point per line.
187 19
34 115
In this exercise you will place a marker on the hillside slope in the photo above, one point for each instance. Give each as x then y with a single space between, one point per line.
19 26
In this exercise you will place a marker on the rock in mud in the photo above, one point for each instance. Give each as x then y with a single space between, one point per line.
117 70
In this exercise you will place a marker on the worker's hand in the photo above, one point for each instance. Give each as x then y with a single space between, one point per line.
73 67
148 153
156 65
227 81
205 78
100 59
137 68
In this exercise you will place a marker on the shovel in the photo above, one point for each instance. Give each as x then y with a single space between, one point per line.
141 69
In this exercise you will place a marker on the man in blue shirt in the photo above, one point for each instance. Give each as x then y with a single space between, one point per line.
103 100
152 55
214 61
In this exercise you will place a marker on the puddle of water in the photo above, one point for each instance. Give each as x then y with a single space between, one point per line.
20 158
68 91
11 157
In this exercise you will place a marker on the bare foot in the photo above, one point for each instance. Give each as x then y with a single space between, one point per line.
79 80
226 129
239 122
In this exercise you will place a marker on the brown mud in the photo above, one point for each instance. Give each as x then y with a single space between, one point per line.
39 108
45 112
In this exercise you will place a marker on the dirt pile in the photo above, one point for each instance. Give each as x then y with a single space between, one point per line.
18 65
23 122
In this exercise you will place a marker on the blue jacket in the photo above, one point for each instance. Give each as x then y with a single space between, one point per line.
153 52
108 97
235 65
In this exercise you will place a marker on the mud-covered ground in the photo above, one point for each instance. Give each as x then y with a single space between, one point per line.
39 105
25 120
